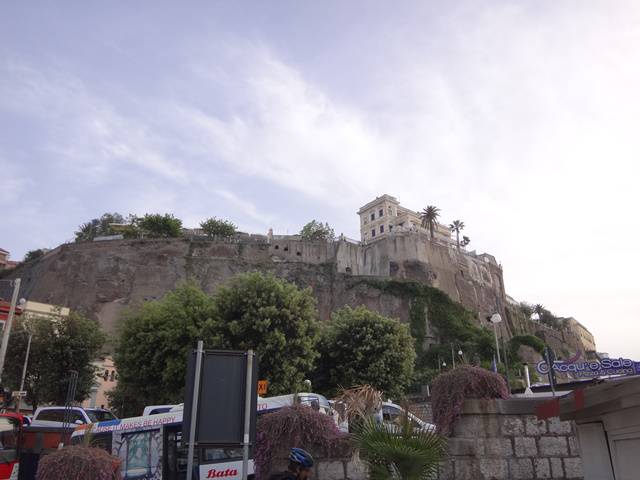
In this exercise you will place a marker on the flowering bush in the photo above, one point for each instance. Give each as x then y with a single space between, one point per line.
450 389
79 463
297 426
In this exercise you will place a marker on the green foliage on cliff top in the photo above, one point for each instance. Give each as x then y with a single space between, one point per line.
216 227
315 230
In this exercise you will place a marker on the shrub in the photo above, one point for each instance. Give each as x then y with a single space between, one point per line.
79 463
450 389
156 225
214 227
296 426
315 230
399 452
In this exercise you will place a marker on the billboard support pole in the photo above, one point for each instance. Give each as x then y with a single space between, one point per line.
194 408
247 415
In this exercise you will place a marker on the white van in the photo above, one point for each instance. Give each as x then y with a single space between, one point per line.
392 415
55 416
315 400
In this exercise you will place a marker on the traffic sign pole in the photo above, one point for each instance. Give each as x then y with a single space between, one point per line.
6 332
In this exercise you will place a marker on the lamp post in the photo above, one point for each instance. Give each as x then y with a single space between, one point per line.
496 319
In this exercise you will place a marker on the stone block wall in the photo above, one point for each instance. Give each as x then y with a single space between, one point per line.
503 440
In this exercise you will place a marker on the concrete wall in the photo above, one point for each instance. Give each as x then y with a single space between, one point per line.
503 440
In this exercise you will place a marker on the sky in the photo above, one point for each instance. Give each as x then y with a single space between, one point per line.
519 118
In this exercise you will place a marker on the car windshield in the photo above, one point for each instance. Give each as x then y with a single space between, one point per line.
100 415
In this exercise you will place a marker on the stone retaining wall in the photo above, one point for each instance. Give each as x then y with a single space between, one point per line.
344 468
503 440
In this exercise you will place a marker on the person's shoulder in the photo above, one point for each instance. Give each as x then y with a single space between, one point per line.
286 475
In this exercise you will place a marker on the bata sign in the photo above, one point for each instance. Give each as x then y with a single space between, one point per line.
226 470
586 369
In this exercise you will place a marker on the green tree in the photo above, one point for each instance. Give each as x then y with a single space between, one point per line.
215 227
59 344
98 227
465 241
359 346
315 230
429 218
154 342
273 317
33 254
457 226
156 225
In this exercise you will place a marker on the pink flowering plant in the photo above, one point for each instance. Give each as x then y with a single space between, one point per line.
450 389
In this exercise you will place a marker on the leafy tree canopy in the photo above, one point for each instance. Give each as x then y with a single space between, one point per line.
98 227
33 254
359 346
58 345
315 230
273 317
256 311
157 225
154 343
215 227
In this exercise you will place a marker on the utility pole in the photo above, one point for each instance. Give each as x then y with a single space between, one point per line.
6 332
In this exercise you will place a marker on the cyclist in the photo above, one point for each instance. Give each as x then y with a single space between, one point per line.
300 464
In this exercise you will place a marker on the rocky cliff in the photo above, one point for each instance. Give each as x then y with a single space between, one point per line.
103 278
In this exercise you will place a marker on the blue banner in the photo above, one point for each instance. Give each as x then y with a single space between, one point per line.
587 369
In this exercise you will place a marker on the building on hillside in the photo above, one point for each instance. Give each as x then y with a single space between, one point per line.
384 215
586 337
106 380
37 309
5 263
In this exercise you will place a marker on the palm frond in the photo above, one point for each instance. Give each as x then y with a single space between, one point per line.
399 453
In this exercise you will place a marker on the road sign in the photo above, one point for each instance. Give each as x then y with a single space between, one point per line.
262 387
21 393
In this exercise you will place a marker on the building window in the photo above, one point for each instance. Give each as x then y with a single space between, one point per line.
373 233
373 216
381 228
390 227
380 212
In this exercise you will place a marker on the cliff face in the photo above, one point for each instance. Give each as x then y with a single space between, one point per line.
103 278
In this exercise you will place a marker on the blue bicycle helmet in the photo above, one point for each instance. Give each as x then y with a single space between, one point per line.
301 457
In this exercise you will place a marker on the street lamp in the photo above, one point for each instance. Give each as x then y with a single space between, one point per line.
496 319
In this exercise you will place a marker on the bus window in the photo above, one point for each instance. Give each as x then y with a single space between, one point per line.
141 454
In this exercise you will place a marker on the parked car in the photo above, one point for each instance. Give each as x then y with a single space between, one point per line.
55 416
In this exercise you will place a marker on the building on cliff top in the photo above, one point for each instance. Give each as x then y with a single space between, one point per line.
384 215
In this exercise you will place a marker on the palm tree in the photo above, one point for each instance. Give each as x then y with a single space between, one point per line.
429 217
456 226
399 452
539 310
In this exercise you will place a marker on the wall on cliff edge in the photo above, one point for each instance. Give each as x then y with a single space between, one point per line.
104 278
